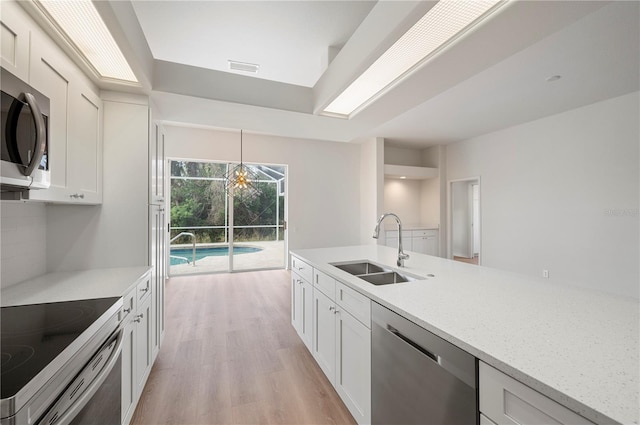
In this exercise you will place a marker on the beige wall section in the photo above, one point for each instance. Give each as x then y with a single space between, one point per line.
323 179
561 193
371 191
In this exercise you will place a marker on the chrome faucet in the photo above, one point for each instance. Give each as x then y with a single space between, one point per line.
376 232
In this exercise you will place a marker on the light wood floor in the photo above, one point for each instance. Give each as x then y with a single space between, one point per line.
473 260
231 356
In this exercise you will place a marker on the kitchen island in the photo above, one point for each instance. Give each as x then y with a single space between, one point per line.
576 346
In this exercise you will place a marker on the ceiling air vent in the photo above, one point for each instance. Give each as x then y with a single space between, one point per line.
244 67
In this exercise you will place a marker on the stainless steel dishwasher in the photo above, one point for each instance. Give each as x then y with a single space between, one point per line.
417 377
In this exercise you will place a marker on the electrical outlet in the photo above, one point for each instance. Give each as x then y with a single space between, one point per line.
545 273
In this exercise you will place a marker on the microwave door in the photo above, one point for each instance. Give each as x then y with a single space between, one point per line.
26 152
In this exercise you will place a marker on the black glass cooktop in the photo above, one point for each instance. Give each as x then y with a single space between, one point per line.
33 335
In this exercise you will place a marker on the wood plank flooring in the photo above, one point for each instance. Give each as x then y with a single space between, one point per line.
473 260
231 356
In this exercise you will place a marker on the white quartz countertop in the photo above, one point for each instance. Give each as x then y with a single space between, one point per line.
69 286
579 347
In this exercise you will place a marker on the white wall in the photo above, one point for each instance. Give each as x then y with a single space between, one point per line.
561 193
402 197
114 234
23 240
371 187
323 180
402 156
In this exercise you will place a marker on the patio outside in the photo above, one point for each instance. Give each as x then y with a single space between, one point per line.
206 214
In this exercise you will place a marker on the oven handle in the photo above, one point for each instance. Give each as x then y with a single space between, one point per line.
82 401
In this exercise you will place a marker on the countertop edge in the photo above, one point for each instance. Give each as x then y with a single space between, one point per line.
74 285
565 400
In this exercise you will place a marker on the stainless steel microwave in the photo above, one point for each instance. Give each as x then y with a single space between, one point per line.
25 136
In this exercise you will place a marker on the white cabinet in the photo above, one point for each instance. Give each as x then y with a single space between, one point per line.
157 234
129 387
506 401
14 35
342 342
75 126
138 324
423 241
143 338
353 365
156 164
84 156
324 334
302 308
158 231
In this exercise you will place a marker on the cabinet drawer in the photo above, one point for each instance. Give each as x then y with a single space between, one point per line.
324 283
143 289
424 233
354 302
128 305
507 401
303 269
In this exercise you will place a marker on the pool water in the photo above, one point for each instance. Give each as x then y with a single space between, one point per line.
218 251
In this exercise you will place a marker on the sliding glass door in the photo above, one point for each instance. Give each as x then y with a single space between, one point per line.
215 228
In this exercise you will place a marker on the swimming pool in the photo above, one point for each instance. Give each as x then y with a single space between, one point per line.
218 251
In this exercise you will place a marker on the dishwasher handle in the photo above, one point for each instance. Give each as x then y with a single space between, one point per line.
414 344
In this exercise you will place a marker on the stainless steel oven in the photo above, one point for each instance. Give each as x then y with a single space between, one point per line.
61 363
25 136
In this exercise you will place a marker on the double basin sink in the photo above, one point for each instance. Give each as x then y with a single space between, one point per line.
374 273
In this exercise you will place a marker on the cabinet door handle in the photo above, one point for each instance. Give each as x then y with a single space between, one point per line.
127 310
145 289
331 308
138 317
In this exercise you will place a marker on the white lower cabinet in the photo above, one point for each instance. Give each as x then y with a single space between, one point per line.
423 241
144 335
353 365
137 345
302 308
324 334
342 342
504 400
129 386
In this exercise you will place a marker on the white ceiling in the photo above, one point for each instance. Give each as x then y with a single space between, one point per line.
494 77
290 40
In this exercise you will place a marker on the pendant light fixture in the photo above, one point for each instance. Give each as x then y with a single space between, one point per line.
241 179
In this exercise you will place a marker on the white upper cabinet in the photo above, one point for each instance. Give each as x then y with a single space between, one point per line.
14 35
85 145
75 117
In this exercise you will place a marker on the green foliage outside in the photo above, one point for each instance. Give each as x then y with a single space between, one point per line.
201 202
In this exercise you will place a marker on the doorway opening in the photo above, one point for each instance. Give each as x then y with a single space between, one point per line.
464 235
212 230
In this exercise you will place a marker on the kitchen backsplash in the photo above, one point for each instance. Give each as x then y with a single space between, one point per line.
23 241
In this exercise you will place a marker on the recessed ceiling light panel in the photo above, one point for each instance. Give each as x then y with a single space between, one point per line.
442 24
244 67
84 28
